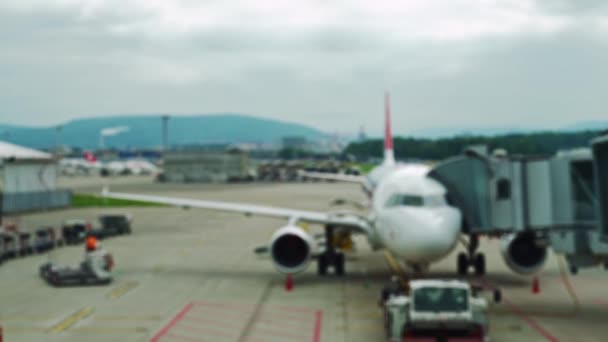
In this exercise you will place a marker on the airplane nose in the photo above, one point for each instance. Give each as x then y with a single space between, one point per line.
432 235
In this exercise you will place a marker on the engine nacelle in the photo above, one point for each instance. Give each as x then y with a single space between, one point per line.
291 249
523 253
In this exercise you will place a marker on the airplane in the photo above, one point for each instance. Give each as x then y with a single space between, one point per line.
409 216
89 164
80 166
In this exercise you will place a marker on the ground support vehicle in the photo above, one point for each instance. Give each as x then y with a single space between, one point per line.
25 244
9 243
56 239
437 310
42 240
95 269
114 224
74 231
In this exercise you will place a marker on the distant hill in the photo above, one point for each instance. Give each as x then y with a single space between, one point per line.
145 131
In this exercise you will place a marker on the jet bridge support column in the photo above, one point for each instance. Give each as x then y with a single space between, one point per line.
330 257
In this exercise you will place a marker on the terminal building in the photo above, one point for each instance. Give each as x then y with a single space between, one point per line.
206 166
28 180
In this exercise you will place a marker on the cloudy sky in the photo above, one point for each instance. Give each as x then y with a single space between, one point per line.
322 63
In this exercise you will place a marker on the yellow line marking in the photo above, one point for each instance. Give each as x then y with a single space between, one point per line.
122 289
71 320
109 330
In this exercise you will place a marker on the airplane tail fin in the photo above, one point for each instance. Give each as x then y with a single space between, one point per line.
90 157
389 156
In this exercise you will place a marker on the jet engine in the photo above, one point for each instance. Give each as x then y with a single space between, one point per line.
523 252
291 249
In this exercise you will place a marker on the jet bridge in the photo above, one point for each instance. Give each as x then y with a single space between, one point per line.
498 193
600 156
562 198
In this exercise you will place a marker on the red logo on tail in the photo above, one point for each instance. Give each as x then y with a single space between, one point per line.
388 136
90 157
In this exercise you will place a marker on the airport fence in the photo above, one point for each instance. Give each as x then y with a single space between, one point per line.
39 200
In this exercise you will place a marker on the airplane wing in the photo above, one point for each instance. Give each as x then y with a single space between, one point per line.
348 220
338 177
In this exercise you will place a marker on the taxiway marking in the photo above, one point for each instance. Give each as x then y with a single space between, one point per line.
122 289
71 320
180 315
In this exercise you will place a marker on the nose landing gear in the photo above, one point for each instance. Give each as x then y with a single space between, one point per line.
472 258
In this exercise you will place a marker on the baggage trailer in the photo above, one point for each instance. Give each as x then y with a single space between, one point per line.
74 231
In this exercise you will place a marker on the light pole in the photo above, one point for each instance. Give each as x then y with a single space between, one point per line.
58 140
165 132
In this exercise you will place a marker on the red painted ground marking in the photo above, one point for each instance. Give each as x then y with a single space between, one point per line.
184 338
519 312
180 315
317 331
206 330
601 302
531 322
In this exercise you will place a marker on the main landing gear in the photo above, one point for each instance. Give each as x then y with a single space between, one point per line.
330 257
472 258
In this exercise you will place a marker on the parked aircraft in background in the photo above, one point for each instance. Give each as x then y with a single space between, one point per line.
89 165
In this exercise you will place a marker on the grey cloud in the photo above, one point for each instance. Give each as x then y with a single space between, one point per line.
574 7
57 65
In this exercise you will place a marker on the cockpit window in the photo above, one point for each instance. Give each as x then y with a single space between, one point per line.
398 200
405 200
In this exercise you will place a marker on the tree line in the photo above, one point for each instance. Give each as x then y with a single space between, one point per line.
541 143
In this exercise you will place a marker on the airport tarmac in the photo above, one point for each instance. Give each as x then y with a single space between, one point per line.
191 275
